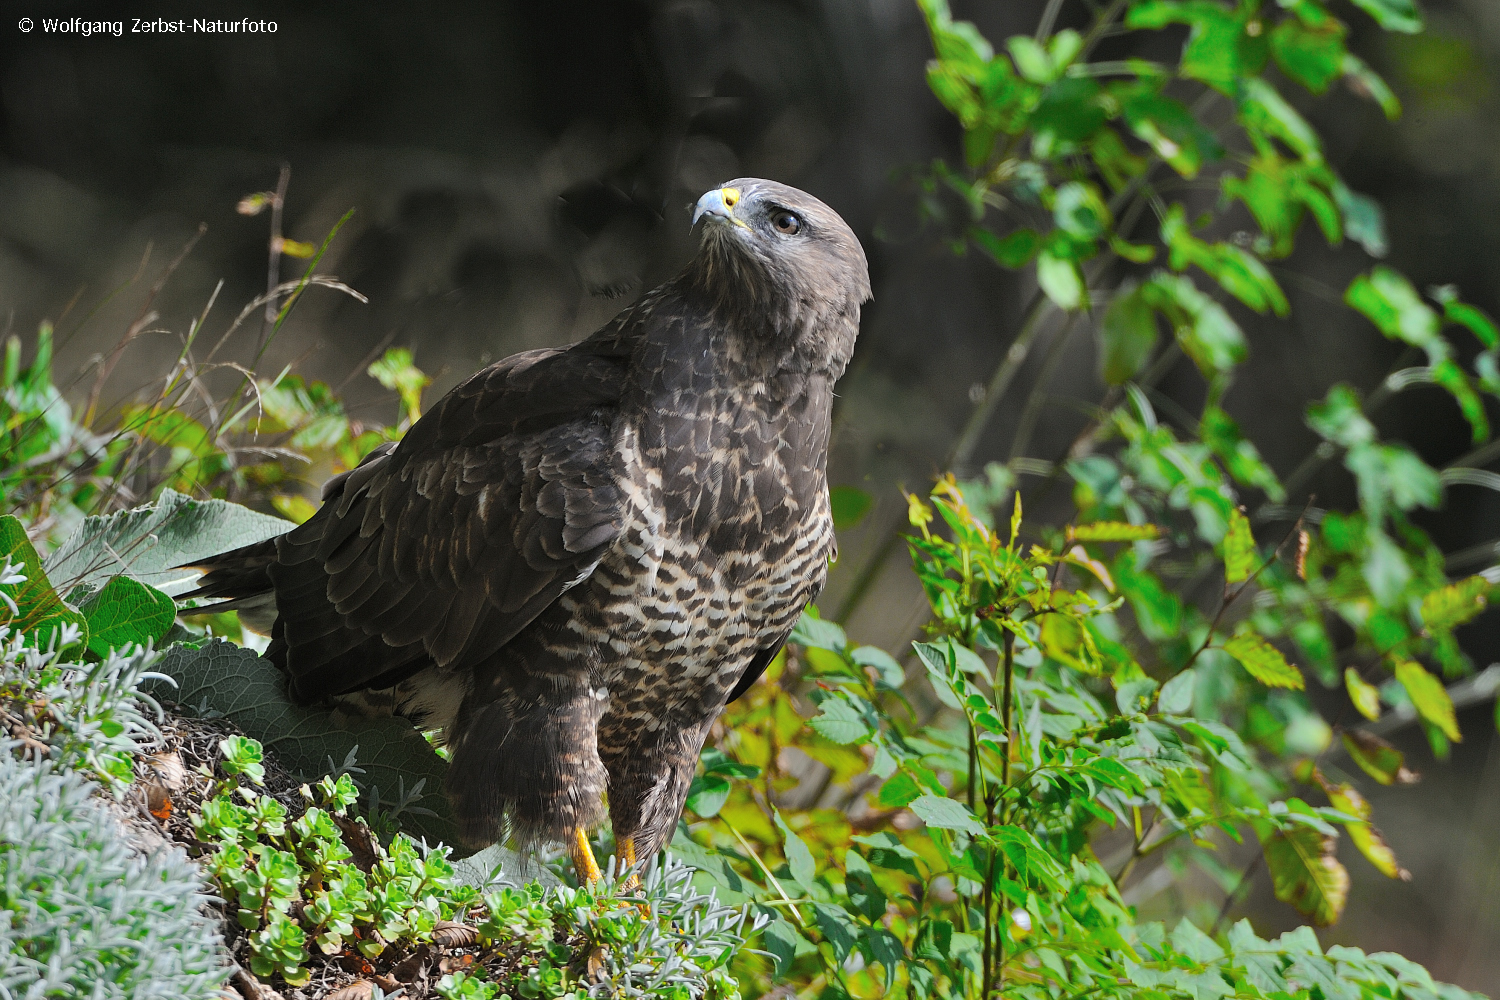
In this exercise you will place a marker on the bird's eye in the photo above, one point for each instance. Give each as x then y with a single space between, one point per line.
786 222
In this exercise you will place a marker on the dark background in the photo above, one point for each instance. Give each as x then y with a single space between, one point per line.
519 172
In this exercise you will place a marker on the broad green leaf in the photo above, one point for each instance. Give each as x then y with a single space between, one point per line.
885 665
1475 319
1346 799
1079 211
1061 280
1013 251
147 543
1238 272
784 943
1385 569
839 929
251 693
1340 418
798 858
707 795
859 883
1450 376
1365 696
1239 548
1306 873
840 722
945 814
1207 332
1113 531
1451 606
1032 61
1172 132
849 505
1364 221
1127 335
1365 81
1264 661
1243 460
40 613
395 370
126 612
886 851
898 791
1264 110
1389 301
1176 696
1393 15
1377 758
1430 697
1314 57
816 633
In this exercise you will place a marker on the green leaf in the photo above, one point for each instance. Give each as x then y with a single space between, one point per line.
1364 222
1340 418
1430 697
1447 374
395 370
1477 321
126 612
147 543
1208 334
1237 272
798 858
1222 436
1306 873
1127 335
840 722
898 791
40 613
859 882
886 851
885 665
1377 758
1314 57
1061 279
1176 696
1366 697
1032 61
945 814
1239 548
1172 132
816 633
1393 15
1389 301
707 795
1013 251
1451 606
1264 110
251 693
849 505
1114 531
1365 81
839 929
1080 212
1264 661
1346 799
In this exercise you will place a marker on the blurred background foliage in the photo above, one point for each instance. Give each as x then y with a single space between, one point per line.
518 172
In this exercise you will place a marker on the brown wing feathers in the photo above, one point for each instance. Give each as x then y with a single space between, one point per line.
442 548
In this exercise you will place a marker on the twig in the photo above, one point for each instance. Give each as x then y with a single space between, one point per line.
273 268
1246 878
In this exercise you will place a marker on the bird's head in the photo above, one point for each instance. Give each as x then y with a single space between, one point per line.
782 263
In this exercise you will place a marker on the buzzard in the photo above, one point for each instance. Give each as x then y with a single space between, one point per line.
572 562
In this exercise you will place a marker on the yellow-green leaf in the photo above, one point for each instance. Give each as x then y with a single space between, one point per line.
1456 603
1306 873
1239 548
1366 697
1264 661
1378 759
1430 697
1345 798
1113 531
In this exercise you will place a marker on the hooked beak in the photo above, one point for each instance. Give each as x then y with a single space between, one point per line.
720 203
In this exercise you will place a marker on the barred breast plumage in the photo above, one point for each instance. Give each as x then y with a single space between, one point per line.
579 556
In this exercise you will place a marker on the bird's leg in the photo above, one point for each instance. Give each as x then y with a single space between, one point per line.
583 858
627 855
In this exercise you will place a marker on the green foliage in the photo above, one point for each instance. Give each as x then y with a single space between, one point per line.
658 939
81 913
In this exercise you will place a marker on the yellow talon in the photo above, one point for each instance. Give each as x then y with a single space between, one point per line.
627 854
583 858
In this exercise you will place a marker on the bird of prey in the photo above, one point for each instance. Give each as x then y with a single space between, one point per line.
572 562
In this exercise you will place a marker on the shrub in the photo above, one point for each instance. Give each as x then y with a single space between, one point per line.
81 912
